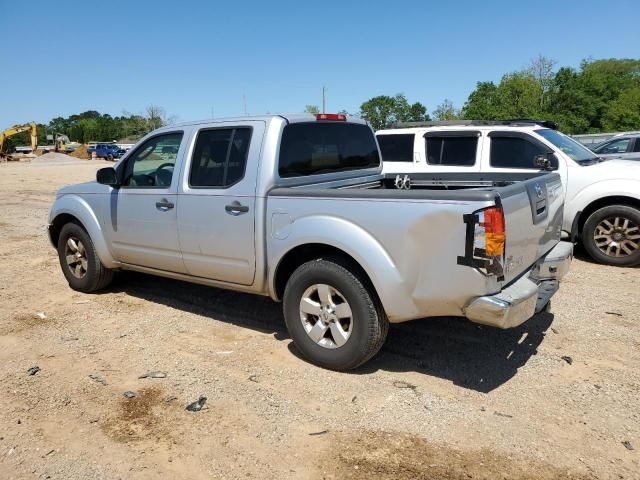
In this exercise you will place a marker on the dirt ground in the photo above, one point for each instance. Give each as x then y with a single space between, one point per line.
445 399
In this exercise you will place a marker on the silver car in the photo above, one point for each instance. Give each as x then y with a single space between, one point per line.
624 146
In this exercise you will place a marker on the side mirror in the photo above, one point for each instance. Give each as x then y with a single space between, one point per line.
108 176
546 161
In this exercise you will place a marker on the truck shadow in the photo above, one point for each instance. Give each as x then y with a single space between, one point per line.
469 355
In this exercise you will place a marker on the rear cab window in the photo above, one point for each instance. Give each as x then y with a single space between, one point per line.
313 148
396 147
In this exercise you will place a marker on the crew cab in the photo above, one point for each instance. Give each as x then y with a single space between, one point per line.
296 207
601 198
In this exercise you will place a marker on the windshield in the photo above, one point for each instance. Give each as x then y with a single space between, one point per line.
568 145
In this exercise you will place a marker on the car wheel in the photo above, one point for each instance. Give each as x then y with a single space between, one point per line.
334 318
79 261
611 235
110 157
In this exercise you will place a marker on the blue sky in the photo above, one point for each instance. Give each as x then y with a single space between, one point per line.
194 56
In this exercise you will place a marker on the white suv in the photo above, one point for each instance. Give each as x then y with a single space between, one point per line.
602 197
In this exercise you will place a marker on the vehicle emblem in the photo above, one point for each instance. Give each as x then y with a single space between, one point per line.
538 190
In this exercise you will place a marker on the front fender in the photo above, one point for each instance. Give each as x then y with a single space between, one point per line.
356 242
597 191
79 208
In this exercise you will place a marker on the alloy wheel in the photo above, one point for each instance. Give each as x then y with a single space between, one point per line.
76 257
326 316
617 237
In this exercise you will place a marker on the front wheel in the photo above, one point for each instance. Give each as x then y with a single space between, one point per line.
79 261
335 320
611 235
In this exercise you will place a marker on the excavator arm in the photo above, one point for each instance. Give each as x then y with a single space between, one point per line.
9 132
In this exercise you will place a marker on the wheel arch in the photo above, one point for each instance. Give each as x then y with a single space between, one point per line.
72 208
312 251
354 245
608 201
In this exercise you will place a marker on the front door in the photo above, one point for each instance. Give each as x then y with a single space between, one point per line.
142 214
217 208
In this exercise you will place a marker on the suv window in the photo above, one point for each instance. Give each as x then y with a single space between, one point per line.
451 150
319 147
636 147
220 157
513 152
149 166
615 146
396 148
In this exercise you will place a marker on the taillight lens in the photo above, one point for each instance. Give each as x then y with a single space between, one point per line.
494 234
489 236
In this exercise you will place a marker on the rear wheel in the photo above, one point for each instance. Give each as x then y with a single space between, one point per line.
79 261
335 320
611 235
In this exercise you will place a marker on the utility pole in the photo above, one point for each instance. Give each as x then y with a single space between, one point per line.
244 104
323 99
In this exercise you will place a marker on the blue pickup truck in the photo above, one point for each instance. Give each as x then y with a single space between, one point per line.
107 151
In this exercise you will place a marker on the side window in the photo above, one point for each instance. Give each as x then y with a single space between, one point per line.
220 157
151 165
513 152
451 150
636 147
617 146
396 148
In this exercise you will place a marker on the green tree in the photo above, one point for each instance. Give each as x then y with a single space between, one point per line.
383 111
519 96
446 111
482 103
624 112
314 109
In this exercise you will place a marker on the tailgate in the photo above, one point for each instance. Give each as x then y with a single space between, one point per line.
533 221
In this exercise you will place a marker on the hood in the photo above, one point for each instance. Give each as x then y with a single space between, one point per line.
615 168
83 188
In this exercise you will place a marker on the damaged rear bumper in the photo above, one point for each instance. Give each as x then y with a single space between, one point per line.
525 297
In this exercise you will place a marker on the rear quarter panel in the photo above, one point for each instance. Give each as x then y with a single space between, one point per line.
408 249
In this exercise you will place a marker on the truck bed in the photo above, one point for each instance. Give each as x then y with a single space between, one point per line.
436 216
470 187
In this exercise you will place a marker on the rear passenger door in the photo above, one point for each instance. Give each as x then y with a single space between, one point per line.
452 151
216 212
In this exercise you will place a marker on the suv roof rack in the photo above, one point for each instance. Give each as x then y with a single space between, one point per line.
518 122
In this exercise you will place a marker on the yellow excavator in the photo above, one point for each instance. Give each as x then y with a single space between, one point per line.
9 132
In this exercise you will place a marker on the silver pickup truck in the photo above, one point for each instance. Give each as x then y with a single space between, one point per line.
296 207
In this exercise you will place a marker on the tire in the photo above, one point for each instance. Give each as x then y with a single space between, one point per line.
93 274
367 325
110 157
605 231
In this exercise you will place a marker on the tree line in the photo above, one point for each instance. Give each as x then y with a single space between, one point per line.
93 126
599 96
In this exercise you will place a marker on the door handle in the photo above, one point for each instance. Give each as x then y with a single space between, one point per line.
235 208
164 205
